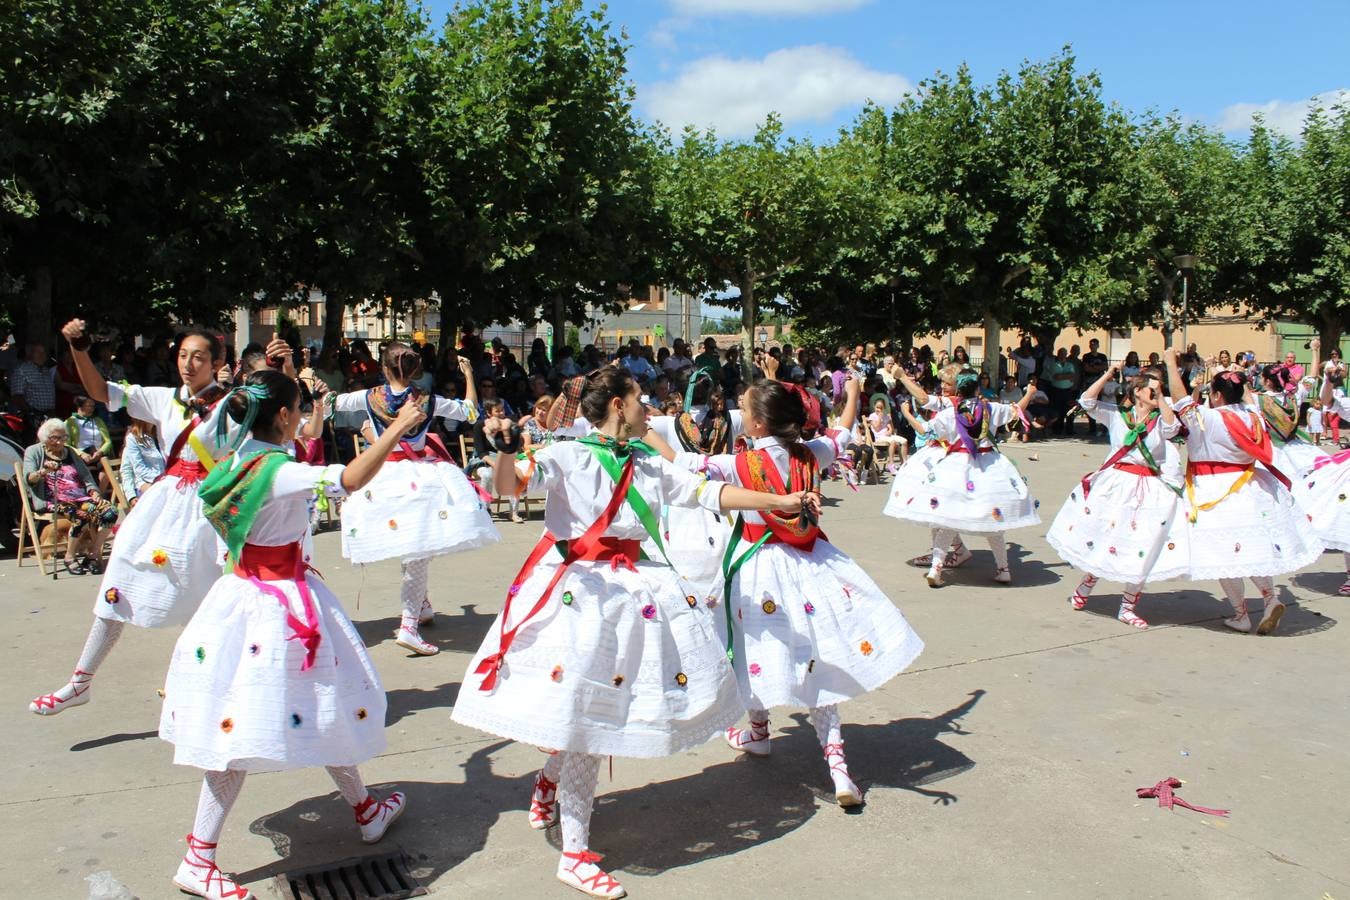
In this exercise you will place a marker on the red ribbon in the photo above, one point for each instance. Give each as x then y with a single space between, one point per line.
1163 790
591 545
1113 461
284 563
1252 439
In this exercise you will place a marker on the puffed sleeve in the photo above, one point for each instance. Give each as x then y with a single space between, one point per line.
544 468
456 410
149 404
1099 410
350 402
296 479
685 488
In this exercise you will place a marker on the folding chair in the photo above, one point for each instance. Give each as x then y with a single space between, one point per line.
53 538
113 469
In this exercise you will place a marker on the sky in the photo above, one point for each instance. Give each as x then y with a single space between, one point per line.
726 64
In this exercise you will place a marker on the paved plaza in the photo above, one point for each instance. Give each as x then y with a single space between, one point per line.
1004 763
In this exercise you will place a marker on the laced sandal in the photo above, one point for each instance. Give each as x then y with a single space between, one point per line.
1002 575
1127 613
754 740
76 693
1270 617
426 615
923 562
586 876
1345 588
411 640
958 557
376 816
201 877
846 793
543 803
1240 621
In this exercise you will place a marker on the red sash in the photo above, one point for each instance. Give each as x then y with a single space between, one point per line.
592 545
432 449
760 474
1134 469
259 565
1252 438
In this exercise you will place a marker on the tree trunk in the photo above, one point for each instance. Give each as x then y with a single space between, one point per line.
39 325
333 308
748 320
1329 330
559 323
993 351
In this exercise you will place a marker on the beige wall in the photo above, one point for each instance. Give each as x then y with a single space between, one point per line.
1231 331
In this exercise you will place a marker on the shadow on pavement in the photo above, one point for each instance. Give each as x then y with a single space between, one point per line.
113 739
461 632
445 823
1027 571
745 802
724 809
1206 610
406 701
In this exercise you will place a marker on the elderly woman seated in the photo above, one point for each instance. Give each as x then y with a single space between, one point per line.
61 484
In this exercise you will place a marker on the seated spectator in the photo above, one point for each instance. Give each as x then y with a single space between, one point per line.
987 388
532 427
88 436
142 460
61 484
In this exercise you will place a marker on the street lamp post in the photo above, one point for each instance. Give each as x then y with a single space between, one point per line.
763 336
1185 264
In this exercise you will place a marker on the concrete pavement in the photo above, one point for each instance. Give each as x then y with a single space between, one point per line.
1003 763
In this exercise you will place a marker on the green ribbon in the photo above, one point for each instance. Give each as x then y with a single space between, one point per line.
1135 439
731 564
610 453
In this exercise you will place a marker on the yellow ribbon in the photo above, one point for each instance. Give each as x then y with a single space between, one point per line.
1233 488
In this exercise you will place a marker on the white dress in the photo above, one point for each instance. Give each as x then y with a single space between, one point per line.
1323 492
1297 456
1130 527
1255 530
622 661
235 696
811 628
165 556
695 538
980 493
419 505
913 476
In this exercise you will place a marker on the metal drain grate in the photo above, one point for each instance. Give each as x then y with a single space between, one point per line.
364 878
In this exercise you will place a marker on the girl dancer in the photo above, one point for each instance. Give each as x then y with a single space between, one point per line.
597 652
972 487
811 628
1321 490
1243 521
1280 401
929 450
696 539
421 504
270 674
1135 534
165 556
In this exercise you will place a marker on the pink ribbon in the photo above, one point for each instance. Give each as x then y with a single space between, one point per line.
1336 460
306 632
1163 790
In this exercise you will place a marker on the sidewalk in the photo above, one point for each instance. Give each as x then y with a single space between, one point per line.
1004 763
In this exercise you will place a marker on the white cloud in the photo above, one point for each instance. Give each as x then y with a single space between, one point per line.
801 84
663 35
1283 116
765 7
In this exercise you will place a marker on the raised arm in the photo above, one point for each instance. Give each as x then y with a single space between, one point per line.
1030 392
470 388
919 426
1095 390
1176 388
912 386
94 384
849 415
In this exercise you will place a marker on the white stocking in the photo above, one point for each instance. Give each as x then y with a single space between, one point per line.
826 721
102 638
1086 585
1232 589
553 767
219 791
759 723
942 541
1000 548
576 798
349 784
414 591
1266 585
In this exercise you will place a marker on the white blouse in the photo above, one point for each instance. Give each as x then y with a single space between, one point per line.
943 425
1156 441
1207 438
285 514
446 408
165 407
722 466
578 489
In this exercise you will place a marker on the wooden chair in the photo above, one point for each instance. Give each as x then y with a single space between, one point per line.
113 469
874 466
53 537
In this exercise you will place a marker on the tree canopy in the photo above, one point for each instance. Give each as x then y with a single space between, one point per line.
179 159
